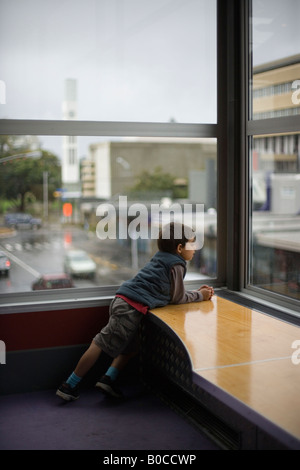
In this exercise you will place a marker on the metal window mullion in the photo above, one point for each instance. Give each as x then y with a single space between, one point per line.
231 143
274 125
102 128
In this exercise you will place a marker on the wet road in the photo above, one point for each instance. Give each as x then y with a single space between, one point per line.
42 251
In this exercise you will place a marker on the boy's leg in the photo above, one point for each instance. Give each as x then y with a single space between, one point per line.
106 383
120 334
69 389
118 364
87 360
120 361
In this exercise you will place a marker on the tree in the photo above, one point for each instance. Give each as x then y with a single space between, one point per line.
49 163
159 183
24 174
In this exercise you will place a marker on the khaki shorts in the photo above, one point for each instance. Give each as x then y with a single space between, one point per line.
120 335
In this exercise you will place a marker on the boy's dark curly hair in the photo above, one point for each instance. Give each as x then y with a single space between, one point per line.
172 235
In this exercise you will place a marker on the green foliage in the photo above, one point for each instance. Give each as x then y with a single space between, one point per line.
21 179
159 183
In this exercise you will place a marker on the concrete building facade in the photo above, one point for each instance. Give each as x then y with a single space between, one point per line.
114 167
275 94
70 163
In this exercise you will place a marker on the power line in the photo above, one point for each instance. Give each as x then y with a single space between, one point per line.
20 155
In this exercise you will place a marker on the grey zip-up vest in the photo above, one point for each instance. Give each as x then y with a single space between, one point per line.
152 285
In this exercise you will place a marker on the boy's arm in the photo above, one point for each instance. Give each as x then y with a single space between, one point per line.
178 293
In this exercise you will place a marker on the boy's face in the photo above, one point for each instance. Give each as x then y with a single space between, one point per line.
187 252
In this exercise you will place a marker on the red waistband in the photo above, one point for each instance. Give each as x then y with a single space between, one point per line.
138 306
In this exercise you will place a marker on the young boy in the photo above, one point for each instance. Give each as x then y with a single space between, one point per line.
159 283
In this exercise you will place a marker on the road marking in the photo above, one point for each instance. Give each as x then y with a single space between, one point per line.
8 247
21 263
104 262
30 246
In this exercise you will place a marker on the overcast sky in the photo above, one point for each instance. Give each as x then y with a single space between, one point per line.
133 60
276 29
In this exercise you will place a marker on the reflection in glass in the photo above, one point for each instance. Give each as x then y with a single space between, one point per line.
73 204
275 238
275 158
276 59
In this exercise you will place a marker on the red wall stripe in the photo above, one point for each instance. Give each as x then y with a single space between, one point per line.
22 331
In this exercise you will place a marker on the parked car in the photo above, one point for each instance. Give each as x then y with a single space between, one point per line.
20 220
4 264
53 281
78 263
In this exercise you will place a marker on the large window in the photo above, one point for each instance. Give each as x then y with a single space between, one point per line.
101 232
104 102
274 148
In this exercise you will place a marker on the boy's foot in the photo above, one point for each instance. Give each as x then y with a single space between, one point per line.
68 393
107 386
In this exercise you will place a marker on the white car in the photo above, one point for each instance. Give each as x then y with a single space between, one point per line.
78 263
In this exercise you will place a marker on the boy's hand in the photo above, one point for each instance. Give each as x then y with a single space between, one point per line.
207 292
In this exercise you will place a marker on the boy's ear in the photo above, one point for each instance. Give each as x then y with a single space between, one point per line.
179 248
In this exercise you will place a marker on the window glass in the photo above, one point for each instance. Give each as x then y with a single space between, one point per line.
275 244
108 60
275 158
86 206
276 58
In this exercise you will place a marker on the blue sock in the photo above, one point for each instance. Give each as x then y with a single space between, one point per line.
112 372
73 380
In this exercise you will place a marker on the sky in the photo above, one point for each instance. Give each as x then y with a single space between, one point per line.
276 32
133 60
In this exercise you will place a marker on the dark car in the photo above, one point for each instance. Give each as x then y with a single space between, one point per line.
4 264
53 281
20 220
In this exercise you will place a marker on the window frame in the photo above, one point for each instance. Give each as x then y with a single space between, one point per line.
86 297
256 127
98 295
233 131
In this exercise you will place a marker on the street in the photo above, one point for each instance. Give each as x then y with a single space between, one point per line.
36 252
